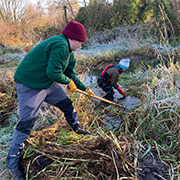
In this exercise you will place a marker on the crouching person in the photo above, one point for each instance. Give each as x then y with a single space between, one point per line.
109 79
50 63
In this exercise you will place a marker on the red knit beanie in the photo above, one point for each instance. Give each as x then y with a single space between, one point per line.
75 30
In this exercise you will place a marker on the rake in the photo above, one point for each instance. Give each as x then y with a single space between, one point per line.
97 97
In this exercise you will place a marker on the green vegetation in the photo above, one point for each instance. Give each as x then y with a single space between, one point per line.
32 23
147 133
150 128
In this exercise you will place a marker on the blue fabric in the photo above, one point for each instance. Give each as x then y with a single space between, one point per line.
123 62
123 67
30 101
14 152
115 66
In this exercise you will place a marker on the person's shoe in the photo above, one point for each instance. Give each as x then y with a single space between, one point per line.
17 173
122 98
80 131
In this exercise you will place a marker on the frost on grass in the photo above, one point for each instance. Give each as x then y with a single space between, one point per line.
9 57
6 133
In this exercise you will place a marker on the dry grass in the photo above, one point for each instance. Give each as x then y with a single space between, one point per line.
72 156
148 133
7 106
157 120
7 84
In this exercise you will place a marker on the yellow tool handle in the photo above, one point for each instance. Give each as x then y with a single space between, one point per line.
97 97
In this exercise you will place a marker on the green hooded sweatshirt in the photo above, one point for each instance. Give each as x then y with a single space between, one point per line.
50 61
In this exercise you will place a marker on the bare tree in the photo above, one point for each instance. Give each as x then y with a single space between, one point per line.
21 17
57 11
11 10
30 19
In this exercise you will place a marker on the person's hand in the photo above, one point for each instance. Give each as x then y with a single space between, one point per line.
71 86
121 91
90 92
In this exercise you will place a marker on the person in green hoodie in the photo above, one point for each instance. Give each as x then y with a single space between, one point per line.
38 78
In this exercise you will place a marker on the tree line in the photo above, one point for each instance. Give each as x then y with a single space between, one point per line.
24 23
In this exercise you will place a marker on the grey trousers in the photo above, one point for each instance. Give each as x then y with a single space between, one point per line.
30 101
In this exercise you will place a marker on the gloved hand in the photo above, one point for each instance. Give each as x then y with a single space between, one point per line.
121 91
90 92
71 86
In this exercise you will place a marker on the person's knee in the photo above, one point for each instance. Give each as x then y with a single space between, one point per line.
25 126
111 91
64 104
108 89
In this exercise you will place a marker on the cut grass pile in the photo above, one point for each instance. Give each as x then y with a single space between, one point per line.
145 145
